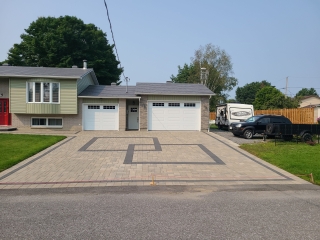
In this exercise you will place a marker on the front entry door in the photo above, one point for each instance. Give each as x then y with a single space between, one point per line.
4 112
133 117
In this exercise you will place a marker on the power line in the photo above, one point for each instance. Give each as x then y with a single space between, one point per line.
114 42
298 87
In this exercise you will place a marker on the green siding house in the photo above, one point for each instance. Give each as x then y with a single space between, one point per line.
72 99
40 97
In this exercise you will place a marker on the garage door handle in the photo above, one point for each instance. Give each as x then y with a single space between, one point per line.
137 119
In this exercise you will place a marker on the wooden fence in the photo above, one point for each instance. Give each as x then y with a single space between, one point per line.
296 115
212 116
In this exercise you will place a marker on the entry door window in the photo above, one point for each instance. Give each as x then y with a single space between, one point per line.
134 110
3 107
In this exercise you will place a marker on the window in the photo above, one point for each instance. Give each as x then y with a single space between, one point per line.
39 121
109 107
280 120
134 110
264 120
158 104
93 107
46 122
55 121
174 104
41 92
190 105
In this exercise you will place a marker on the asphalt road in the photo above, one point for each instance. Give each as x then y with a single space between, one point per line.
161 213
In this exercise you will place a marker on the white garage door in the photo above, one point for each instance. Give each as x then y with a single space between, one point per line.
174 115
100 117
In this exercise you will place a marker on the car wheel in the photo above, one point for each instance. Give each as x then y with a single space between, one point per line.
248 134
269 128
307 137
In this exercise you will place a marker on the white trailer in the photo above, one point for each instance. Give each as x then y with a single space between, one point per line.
232 112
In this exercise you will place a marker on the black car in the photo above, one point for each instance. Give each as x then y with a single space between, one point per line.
256 124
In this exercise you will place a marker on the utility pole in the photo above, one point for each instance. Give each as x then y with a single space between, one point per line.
287 87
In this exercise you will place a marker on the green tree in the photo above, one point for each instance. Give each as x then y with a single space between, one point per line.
272 98
247 93
187 74
64 42
217 77
306 92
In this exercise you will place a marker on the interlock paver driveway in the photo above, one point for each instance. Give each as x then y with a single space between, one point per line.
111 158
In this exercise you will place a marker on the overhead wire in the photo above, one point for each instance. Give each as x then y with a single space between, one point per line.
114 42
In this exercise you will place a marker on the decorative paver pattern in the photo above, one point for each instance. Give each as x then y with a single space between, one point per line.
100 158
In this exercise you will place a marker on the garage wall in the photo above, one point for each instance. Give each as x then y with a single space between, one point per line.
174 98
98 100
122 114
205 112
143 113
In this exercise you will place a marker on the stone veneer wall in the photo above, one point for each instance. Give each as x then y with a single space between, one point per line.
122 114
71 122
205 113
143 113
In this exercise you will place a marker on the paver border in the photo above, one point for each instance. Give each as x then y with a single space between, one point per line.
251 158
131 149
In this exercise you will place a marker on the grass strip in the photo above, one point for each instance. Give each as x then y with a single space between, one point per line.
298 159
15 148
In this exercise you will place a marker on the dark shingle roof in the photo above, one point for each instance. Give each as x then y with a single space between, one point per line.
172 89
46 72
107 91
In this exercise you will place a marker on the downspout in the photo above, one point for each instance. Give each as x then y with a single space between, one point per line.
209 115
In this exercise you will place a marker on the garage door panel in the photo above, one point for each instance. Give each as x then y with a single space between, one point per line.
173 118
100 119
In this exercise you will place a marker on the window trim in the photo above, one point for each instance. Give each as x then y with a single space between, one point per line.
109 107
93 107
189 104
42 92
174 104
47 122
158 104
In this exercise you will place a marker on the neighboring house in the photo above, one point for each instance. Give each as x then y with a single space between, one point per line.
309 101
71 99
312 101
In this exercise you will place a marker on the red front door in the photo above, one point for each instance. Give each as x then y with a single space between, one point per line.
4 112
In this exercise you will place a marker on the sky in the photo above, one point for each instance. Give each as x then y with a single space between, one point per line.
266 39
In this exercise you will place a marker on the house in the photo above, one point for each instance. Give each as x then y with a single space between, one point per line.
72 99
312 101
309 101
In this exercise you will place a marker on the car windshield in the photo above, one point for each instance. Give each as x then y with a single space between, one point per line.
253 119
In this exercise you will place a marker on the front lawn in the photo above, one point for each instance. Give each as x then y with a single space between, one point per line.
297 159
16 147
213 126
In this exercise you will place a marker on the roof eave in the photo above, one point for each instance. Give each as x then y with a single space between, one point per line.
120 96
42 76
199 94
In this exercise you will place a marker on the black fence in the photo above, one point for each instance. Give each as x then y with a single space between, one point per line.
292 129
